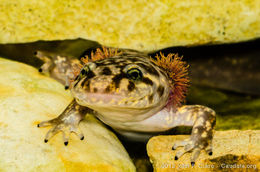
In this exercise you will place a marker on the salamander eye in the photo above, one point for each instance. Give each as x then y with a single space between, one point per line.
134 74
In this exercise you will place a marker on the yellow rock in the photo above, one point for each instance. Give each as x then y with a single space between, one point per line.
134 24
26 98
232 151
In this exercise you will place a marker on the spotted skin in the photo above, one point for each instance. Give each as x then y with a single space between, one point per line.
58 67
129 92
204 120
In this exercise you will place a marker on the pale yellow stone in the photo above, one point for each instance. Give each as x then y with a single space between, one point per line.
26 98
229 147
137 24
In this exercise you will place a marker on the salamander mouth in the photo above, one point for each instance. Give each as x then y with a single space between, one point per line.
109 100
102 98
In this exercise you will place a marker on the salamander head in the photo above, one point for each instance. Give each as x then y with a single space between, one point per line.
128 83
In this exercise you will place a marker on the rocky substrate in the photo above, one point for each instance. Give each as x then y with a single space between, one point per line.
233 150
140 25
27 98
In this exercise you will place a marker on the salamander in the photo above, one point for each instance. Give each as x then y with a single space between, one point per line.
137 96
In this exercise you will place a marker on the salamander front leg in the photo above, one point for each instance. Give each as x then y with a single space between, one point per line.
203 120
45 68
67 122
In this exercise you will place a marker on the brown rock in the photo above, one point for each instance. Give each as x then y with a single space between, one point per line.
232 151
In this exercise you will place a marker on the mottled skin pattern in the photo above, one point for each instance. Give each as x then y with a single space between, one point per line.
129 92
58 67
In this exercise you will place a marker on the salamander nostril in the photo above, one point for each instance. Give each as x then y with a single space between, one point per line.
107 90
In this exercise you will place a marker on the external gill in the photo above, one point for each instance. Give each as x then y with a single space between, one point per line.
177 71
